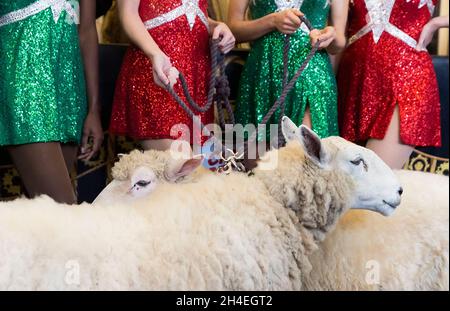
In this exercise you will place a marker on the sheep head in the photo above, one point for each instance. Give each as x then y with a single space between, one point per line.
321 179
142 182
138 174
168 166
376 188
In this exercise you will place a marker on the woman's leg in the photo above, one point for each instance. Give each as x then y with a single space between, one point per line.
307 118
70 152
43 170
390 149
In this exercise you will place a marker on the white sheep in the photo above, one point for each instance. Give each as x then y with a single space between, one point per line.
220 232
351 256
408 251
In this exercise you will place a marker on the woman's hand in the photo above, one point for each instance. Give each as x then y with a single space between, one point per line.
92 130
428 31
325 36
92 136
228 41
163 72
426 36
288 21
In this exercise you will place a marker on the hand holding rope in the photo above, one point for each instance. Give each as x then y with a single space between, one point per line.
218 85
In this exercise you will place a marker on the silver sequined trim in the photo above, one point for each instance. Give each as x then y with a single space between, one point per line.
378 17
429 3
57 7
190 8
288 4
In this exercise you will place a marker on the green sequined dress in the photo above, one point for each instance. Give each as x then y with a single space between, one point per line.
42 84
261 82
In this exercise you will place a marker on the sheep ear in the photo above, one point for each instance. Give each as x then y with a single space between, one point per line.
290 130
313 146
179 169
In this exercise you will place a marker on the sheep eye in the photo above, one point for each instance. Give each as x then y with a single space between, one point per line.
143 183
357 162
360 161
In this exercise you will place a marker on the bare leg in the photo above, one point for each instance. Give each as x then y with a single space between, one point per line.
307 118
390 149
70 155
43 170
157 144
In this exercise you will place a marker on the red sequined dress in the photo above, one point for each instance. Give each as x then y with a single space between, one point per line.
381 69
143 110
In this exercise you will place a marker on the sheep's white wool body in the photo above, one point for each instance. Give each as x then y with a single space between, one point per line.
181 241
215 232
407 251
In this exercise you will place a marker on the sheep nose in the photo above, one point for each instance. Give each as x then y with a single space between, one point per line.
400 191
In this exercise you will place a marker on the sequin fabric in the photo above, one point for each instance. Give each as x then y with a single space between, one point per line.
378 22
42 85
189 8
143 110
57 7
262 77
374 77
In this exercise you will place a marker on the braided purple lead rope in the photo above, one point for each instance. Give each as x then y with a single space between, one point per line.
287 48
215 69
188 110
223 94
195 119
224 91
287 87
218 86
216 83
218 69
284 94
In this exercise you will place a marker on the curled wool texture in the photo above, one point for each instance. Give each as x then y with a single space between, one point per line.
162 163
410 249
127 164
221 232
